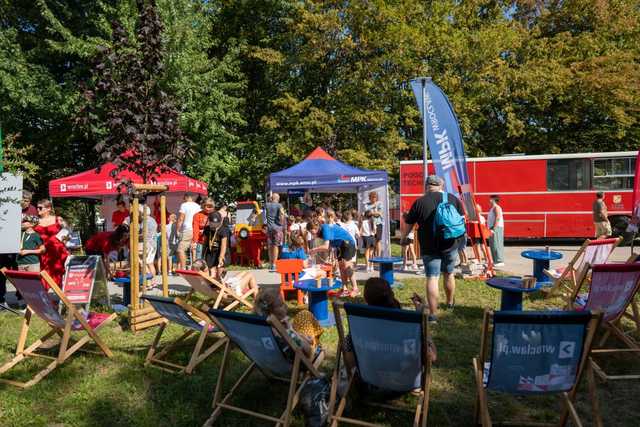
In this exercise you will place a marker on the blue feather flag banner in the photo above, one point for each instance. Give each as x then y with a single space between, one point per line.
444 140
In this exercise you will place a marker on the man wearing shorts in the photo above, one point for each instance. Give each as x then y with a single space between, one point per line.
275 227
438 254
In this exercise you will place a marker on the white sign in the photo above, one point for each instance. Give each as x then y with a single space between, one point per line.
10 213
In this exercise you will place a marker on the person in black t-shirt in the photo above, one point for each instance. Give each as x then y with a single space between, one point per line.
216 244
438 254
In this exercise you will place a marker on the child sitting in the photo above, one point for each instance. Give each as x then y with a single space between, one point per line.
240 282
304 330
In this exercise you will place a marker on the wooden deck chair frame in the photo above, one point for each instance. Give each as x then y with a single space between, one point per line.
481 406
224 293
290 268
67 347
296 381
156 356
613 327
571 277
421 411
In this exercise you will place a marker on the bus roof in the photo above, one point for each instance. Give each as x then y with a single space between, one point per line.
539 157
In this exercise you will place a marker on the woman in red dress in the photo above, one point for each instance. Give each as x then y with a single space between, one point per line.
55 253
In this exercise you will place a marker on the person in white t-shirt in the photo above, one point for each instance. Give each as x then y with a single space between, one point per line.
352 228
408 251
184 226
368 233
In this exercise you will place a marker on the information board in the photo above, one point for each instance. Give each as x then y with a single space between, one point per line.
85 280
10 213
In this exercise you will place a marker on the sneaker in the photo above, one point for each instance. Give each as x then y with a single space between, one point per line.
499 264
433 319
451 306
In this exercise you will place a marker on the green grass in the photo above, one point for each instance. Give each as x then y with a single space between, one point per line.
90 390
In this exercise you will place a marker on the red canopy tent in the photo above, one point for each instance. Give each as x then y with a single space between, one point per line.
101 185
97 184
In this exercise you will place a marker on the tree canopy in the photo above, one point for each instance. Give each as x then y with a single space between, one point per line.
257 84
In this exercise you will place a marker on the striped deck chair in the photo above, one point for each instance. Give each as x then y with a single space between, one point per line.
533 353
39 303
193 320
391 355
261 340
217 293
612 290
566 280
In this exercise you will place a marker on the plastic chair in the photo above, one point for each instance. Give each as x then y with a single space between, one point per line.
290 270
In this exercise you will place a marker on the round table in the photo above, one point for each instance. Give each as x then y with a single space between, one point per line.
126 287
512 290
318 299
541 260
386 266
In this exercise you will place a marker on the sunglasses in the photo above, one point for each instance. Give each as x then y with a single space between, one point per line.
208 206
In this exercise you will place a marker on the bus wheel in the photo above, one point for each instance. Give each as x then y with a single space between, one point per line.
619 228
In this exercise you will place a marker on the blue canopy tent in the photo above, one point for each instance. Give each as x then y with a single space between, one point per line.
321 173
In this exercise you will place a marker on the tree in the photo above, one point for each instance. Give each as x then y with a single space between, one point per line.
127 110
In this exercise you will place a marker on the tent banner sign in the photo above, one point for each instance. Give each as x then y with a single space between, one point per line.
330 181
10 213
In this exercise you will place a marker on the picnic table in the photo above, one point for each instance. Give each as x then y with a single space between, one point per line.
386 267
541 258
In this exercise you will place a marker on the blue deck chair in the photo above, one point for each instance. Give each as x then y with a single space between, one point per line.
30 285
193 320
535 353
391 354
258 338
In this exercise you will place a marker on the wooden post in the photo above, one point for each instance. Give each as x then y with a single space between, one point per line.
163 245
133 255
145 250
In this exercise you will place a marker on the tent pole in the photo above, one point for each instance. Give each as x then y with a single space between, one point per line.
163 245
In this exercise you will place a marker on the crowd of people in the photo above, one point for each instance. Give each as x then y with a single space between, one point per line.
199 234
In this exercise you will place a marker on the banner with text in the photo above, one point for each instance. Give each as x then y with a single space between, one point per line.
445 140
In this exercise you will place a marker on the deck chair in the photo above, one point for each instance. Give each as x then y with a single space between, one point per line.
259 338
534 353
193 320
390 348
218 294
290 270
567 279
612 290
39 303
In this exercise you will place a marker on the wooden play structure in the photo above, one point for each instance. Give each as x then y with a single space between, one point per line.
143 315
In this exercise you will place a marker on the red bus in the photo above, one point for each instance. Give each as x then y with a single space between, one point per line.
543 196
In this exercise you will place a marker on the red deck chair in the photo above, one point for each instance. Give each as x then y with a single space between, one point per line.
290 270
612 290
39 303
592 252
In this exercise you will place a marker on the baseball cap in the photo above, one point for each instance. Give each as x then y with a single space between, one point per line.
433 180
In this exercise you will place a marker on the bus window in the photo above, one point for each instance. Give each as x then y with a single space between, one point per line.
614 174
568 174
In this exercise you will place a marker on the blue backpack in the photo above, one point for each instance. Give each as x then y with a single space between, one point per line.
448 223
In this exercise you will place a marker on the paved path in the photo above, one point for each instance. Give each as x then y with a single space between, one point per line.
514 264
